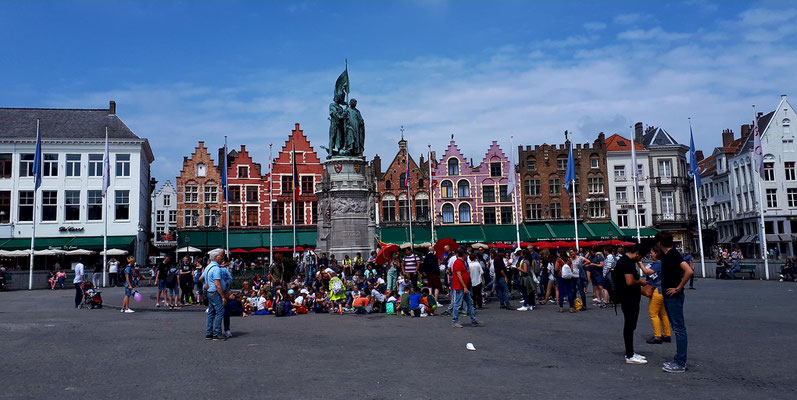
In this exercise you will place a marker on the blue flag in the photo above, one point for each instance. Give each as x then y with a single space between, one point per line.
37 159
570 175
694 169
224 171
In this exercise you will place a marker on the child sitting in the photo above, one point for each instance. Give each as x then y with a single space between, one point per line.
429 302
404 304
417 309
263 303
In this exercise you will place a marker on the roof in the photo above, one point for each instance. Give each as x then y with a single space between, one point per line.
618 143
655 136
763 123
62 123
707 165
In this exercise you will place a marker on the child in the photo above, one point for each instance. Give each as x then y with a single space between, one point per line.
404 304
337 293
429 302
403 282
416 308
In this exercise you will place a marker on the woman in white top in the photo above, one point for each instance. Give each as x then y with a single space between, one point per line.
475 271
113 270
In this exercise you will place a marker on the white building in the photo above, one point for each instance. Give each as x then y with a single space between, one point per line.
164 217
715 192
69 205
779 184
621 184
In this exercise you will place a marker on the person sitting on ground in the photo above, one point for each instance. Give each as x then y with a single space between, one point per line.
430 304
377 298
417 309
361 304
404 303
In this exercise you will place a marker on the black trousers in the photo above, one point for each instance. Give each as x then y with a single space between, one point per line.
630 309
187 292
78 294
476 293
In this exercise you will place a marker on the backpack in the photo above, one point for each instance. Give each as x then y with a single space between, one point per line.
171 277
279 309
337 286
610 283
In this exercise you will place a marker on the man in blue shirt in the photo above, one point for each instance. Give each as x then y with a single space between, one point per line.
213 278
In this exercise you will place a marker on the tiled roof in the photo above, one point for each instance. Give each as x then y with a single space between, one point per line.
62 123
618 143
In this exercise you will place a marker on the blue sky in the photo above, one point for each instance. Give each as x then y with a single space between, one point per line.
185 71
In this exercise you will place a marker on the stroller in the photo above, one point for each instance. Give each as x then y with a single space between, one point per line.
92 298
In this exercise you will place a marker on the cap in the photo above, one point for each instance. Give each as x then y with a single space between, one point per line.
304 291
290 291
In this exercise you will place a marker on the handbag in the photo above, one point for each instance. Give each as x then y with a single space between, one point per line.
648 291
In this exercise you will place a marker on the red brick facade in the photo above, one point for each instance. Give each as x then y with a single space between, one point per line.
248 191
199 200
310 172
393 192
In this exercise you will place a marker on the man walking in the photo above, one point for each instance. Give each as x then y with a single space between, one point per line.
128 277
160 278
215 294
674 275
629 288
80 272
459 284
431 269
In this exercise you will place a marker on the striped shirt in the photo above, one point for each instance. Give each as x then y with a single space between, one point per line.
411 263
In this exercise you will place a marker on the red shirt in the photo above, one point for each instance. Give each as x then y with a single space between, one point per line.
459 266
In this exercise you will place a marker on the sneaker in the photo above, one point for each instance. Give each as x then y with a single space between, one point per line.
221 338
654 340
640 356
551 302
128 311
524 308
228 334
666 339
477 323
673 368
207 310
462 314
122 310
561 310
208 337
446 314
424 315
572 310
456 325
636 359
595 300
157 305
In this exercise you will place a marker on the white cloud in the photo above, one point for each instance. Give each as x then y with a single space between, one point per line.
651 34
627 19
595 26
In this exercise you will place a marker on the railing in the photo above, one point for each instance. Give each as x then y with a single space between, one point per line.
620 178
663 218
675 181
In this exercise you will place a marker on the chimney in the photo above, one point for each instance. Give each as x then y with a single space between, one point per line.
377 165
727 137
783 97
699 155
297 127
112 108
638 132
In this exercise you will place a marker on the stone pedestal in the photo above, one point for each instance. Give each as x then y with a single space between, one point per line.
346 223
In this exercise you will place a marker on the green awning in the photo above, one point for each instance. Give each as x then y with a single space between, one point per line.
537 231
245 239
40 244
400 235
462 233
645 233
499 233
566 231
95 242
69 243
603 231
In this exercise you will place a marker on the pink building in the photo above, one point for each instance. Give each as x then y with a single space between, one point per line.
467 194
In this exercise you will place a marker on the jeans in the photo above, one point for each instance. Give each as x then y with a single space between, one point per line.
581 290
78 294
630 309
675 311
459 298
566 290
733 272
503 291
215 314
310 269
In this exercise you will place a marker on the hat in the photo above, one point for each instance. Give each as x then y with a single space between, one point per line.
304 291
290 291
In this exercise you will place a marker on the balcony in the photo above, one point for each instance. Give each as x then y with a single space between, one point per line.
620 178
621 200
670 181
673 218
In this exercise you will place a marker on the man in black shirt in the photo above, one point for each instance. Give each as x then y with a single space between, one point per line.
186 282
431 269
675 273
629 288
160 278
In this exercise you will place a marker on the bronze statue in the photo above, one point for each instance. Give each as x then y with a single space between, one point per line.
346 125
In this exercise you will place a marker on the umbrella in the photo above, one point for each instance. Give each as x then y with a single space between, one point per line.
424 244
79 252
386 252
298 248
587 243
259 250
626 244
14 253
49 252
441 244
503 246
525 244
479 246
114 252
406 246
188 249
561 244
239 251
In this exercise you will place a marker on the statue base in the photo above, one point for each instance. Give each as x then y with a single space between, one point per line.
347 221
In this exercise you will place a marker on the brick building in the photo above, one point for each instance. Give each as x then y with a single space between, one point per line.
394 207
310 171
199 200
248 191
542 173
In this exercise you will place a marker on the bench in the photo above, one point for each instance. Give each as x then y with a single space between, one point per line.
748 269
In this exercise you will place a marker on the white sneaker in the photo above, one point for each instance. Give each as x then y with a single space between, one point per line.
128 311
424 315
121 310
594 299
640 356
636 359
207 310
524 308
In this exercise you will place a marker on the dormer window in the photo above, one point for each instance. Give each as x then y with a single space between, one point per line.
201 170
243 171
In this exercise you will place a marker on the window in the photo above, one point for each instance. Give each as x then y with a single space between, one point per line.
788 142
251 214
534 211
94 201
287 184
251 194
235 216
95 164
488 194
388 210
464 213
160 216
621 194
506 215
5 165
531 164
73 164
532 187
123 165
235 194
25 205
789 167
665 169
72 205
556 210
495 169
388 185
622 218
791 195
403 180
243 171
489 215
668 205
49 205
211 194
50 165
553 186
503 196
447 189
576 186
769 171
122 205
448 214
593 163
453 167
595 185
404 210
25 165
641 217
422 209
278 212
420 183
463 189
314 212
308 184
597 209
561 163
619 172
191 194
772 198
167 200
212 217
298 213
191 218
5 207
173 216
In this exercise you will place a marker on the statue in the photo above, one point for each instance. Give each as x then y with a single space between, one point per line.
355 129
346 125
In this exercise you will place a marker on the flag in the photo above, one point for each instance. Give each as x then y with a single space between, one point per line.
295 177
758 152
694 169
512 181
407 173
106 166
342 84
37 159
224 171
570 174
634 165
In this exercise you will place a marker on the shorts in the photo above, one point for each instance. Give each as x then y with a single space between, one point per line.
161 284
174 291
128 290
433 281
597 279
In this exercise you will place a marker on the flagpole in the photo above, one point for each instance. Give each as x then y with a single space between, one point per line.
407 182
270 207
573 193
36 183
763 236
635 176
226 201
294 177
105 183
515 190
695 177
431 194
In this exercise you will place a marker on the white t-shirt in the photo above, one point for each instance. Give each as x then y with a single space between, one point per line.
380 281
113 267
378 296
261 303
475 270
79 271
402 284
299 300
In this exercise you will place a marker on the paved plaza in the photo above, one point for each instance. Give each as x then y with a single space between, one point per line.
741 345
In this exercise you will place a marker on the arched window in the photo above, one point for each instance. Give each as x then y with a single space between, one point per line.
464 213
448 214
453 166
447 189
201 171
463 188
388 185
403 180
